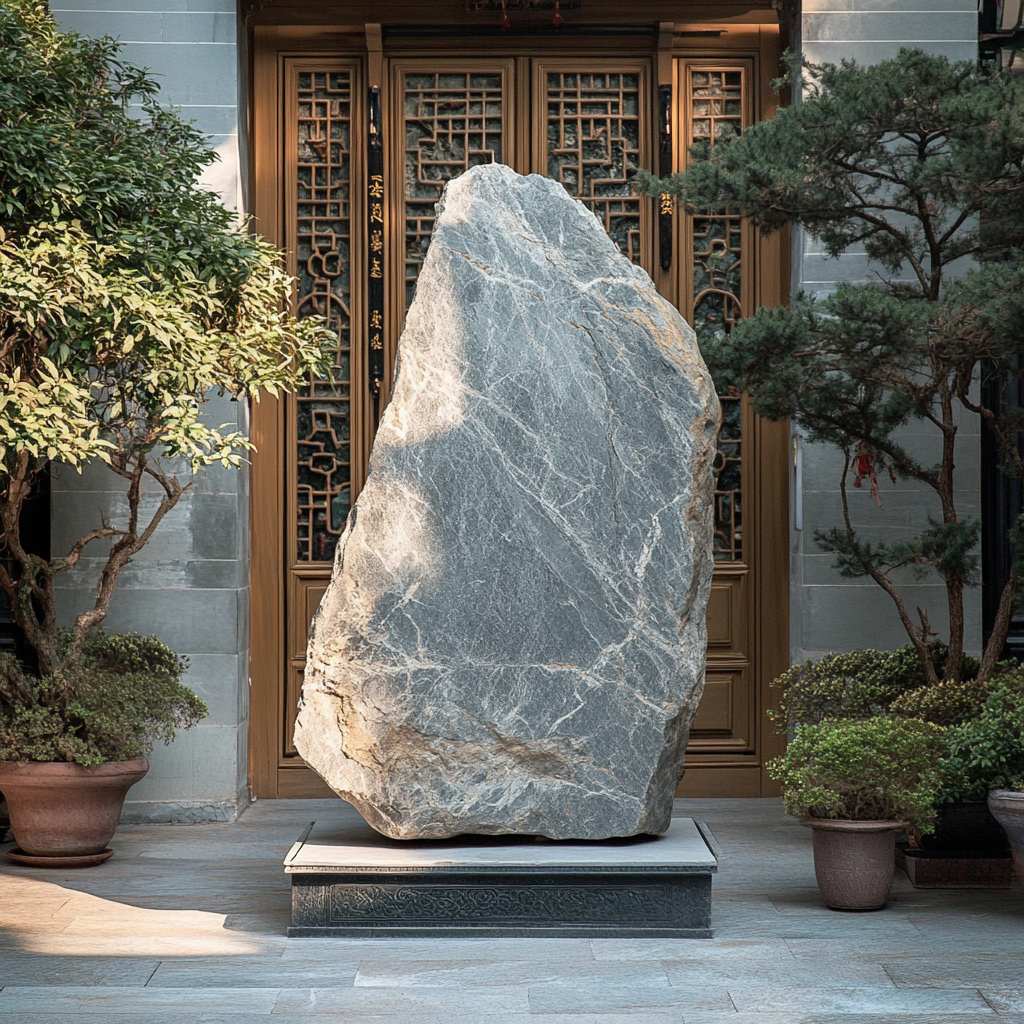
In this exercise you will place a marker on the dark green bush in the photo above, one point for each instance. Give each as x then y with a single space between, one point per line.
987 752
946 703
111 704
859 684
869 769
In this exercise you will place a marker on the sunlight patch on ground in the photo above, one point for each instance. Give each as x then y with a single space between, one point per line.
42 917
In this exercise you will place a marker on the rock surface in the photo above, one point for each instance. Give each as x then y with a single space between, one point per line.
513 640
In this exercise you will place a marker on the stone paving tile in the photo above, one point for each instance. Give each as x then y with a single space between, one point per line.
542 950
193 1017
244 971
683 949
1005 1000
18 968
924 1017
342 1015
958 970
414 1003
600 998
475 973
135 1000
970 929
834 928
774 973
883 948
875 1000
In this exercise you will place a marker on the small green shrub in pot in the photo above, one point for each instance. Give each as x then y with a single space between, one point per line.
856 782
871 769
110 704
73 742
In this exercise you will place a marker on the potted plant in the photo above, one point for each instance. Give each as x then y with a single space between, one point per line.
856 783
986 759
968 847
72 745
128 295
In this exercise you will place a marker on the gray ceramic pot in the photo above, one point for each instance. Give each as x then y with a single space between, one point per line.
854 861
1007 808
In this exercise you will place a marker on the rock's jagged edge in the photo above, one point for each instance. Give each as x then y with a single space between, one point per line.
436 694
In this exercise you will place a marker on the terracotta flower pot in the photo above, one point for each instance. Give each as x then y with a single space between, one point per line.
63 815
854 861
1007 808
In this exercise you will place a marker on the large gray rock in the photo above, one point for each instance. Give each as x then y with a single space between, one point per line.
514 636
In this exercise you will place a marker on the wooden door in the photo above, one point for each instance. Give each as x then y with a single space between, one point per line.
587 120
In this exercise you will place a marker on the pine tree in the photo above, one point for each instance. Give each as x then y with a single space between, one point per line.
919 162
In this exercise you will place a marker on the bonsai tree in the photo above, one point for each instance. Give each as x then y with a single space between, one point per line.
920 163
127 295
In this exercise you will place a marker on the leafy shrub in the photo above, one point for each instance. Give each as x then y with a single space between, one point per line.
946 703
987 752
111 704
128 298
859 684
871 769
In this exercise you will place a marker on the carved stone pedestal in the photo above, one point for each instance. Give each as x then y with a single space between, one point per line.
350 881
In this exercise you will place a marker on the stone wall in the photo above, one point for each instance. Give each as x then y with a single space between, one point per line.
190 585
829 613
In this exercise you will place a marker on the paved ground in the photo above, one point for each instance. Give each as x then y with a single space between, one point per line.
186 925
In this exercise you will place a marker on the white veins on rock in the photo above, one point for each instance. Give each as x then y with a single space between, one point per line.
513 640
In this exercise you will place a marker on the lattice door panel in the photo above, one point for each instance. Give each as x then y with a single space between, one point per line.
592 133
319 208
448 116
716 290
325 433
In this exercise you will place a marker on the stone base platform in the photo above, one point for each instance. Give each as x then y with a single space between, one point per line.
351 881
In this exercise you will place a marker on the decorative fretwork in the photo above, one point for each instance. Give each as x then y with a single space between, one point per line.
716 99
593 138
728 470
398 903
717 270
322 237
453 121
716 113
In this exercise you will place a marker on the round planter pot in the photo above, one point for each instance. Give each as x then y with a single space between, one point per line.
967 827
854 861
1007 808
63 815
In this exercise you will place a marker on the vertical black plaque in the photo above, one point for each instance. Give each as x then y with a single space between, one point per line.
665 201
375 254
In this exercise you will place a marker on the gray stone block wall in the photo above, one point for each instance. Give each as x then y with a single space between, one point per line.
189 586
829 613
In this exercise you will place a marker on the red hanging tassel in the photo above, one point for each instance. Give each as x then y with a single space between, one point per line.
864 469
558 21
505 22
